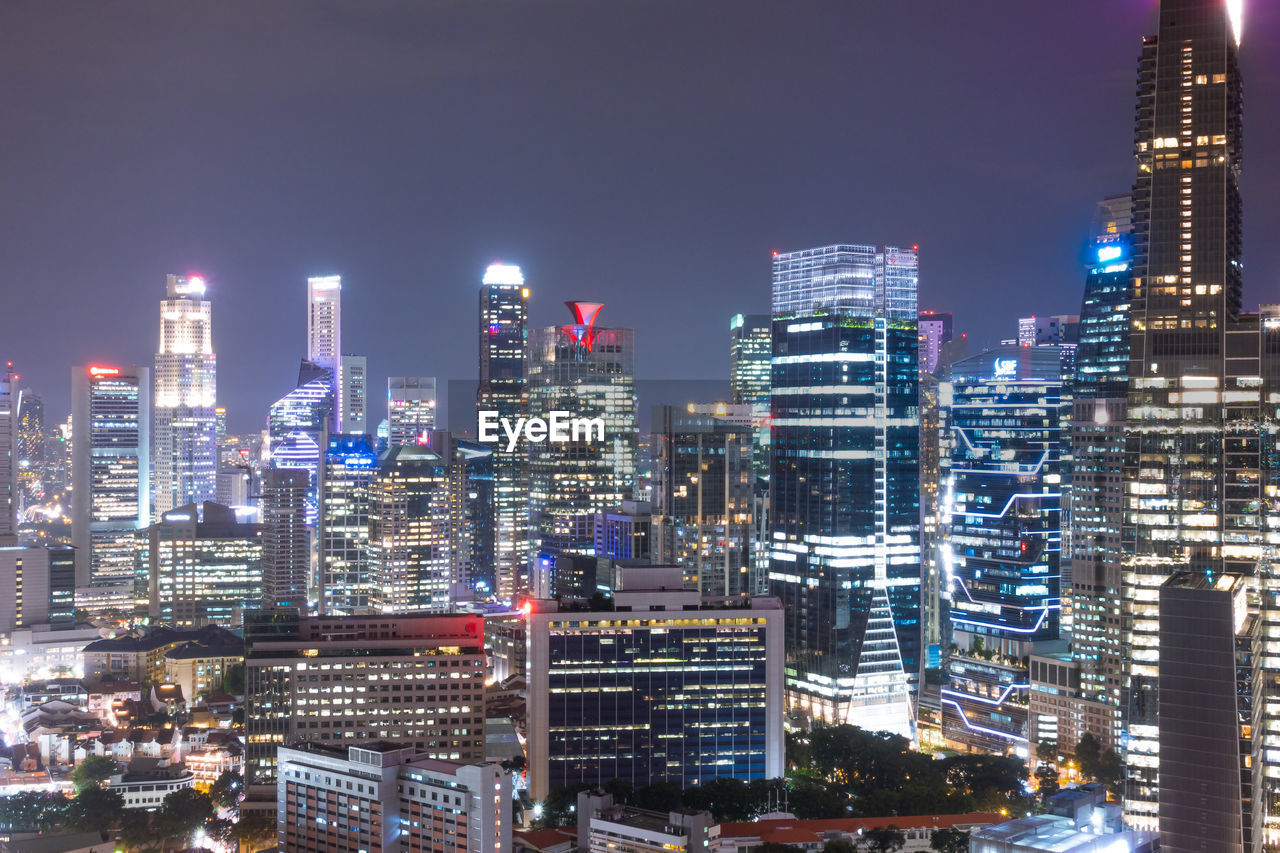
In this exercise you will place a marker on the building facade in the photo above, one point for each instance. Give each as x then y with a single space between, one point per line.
411 408
844 506
204 566
184 452
346 586
286 541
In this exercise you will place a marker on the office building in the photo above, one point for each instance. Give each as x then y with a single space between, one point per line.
111 479
1191 499
411 408
601 685
204 566
586 372
37 587
504 390
415 512
31 439
416 680
384 797
324 320
184 451
844 506
353 394
608 827
286 541
342 527
471 478
1004 538
702 491
936 330
1100 392
9 458
297 424
1205 714
935 429
625 532
750 350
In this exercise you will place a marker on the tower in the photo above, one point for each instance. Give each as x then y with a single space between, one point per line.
504 389
844 503
185 444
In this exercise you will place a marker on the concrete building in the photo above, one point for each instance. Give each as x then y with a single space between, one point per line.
204 566
1055 834
600 684
382 797
606 827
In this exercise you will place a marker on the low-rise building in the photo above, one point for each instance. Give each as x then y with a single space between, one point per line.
199 667
43 651
140 656
379 797
813 835
1054 834
605 827
147 781
70 690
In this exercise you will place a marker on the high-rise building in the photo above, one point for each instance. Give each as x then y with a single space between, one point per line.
471 475
702 494
353 393
384 797
184 451
204 566
411 408
844 488
585 372
1100 391
1206 698
935 331
415 512
413 679
602 684
324 320
286 541
1191 496
9 458
342 527
297 423
37 587
31 450
111 479
504 390
935 413
1003 547
750 351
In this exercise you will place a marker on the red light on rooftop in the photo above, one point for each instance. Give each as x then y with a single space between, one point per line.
104 371
915 248
775 253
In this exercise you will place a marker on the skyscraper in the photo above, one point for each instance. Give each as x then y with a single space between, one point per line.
204 566
750 351
1192 494
111 479
1100 391
411 408
342 528
297 423
9 457
184 451
844 501
1003 548
286 543
324 320
30 449
353 393
588 371
504 389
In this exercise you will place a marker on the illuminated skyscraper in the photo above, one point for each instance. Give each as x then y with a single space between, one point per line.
589 372
504 389
353 393
205 566
110 475
935 330
184 451
324 320
286 543
415 509
411 408
750 349
1192 495
30 449
1097 442
342 528
9 458
844 487
1003 545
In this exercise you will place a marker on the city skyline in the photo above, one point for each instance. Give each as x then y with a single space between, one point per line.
257 273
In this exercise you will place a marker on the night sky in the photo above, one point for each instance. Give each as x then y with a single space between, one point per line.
648 155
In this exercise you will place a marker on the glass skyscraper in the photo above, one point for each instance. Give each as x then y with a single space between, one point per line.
342 526
844 501
504 389
185 441
1003 546
1191 495
111 479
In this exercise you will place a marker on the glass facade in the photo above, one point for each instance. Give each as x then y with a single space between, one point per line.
414 515
185 440
205 567
1003 546
844 483
342 531
296 424
504 388
411 408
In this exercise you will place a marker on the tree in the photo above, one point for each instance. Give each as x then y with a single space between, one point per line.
32 810
620 789
1047 779
183 813
226 789
949 840
839 845
658 797
1088 752
94 808
885 839
233 680
93 771
1110 769
1047 751
775 847
255 831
